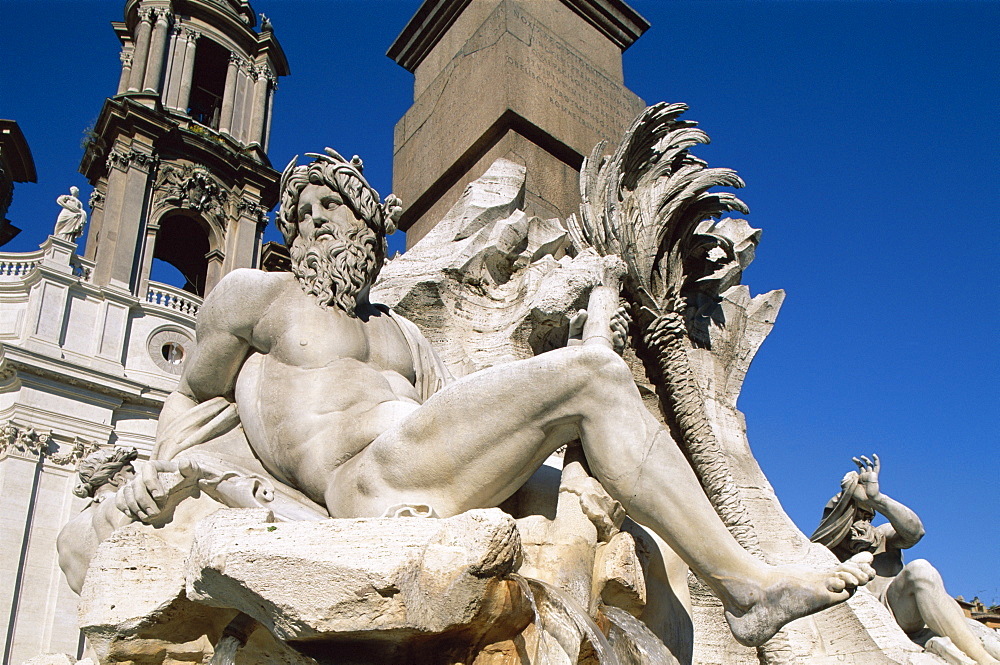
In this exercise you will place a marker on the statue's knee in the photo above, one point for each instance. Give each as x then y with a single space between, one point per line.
921 572
602 365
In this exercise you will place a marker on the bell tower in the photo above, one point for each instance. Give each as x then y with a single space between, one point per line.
178 156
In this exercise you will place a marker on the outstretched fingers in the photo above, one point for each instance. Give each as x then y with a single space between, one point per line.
865 464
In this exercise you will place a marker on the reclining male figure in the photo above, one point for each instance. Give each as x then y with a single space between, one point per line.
340 399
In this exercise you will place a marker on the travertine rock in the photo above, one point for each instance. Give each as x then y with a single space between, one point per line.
488 284
386 579
618 580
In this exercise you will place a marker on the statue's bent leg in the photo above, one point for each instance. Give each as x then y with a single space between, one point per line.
917 597
476 441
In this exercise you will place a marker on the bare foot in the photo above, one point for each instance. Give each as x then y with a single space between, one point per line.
795 592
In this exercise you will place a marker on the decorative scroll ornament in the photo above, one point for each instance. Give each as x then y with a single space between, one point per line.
192 186
78 450
23 439
644 204
96 199
26 440
118 159
122 160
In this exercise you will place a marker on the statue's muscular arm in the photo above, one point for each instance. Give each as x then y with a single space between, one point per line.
224 338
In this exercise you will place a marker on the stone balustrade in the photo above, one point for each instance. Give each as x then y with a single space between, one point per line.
170 297
15 266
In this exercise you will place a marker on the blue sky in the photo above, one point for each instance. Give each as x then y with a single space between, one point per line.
867 133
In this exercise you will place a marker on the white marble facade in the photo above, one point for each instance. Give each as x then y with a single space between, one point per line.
82 366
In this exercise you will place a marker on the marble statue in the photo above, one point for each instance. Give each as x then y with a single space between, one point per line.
914 592
348 412
102 474
69 224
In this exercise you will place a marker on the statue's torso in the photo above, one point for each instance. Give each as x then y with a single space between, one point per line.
322 387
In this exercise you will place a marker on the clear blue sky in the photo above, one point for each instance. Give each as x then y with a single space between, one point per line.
867 133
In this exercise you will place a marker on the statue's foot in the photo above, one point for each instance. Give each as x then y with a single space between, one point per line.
794 592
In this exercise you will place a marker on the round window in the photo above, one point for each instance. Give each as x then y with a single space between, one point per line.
173 353
167 348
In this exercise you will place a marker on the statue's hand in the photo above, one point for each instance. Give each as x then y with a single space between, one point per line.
576 328
867 489
146 495
620 322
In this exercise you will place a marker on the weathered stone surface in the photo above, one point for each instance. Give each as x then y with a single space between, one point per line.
361 578
133 579
618 577
489 284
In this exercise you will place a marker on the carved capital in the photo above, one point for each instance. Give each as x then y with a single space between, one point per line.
146 15
163 15
23 440
126 56
118 159
191 35
235 60
253 211
142 160
77 450
96 199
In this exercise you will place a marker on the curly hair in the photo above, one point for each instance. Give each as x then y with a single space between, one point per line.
100 467
344 177
336 271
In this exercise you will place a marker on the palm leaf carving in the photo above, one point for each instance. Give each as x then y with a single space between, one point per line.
643 204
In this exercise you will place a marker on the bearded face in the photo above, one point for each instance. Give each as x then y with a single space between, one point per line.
864 537
335 255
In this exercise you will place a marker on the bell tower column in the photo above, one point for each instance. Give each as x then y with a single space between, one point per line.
142 34
229 95
187 73
157 51
126 58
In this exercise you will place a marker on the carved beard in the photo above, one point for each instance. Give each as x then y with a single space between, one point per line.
336 268
864 537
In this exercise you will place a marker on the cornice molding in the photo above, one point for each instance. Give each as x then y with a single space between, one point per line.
621 24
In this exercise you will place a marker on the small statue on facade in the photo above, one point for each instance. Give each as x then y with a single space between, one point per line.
69 224
913 593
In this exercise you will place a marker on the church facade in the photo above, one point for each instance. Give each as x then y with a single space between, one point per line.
91 346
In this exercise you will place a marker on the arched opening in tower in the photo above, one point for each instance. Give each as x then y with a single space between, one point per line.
182 244
208 83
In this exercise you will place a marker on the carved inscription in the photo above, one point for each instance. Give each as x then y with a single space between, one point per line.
574 86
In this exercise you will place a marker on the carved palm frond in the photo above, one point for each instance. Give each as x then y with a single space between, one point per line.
643 202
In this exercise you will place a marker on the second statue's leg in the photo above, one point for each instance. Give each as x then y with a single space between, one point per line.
917 597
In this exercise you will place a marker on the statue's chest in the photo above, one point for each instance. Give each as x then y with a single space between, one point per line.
316 337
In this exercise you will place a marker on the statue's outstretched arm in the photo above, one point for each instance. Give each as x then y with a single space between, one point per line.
904 529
